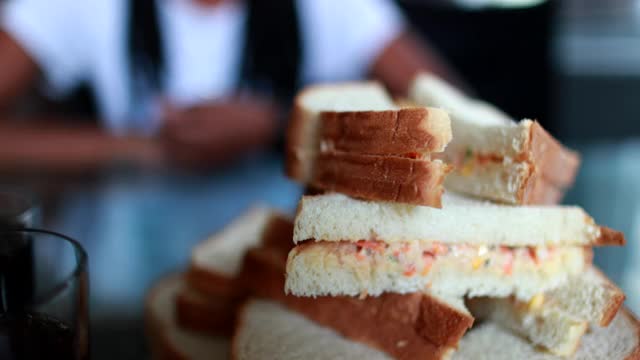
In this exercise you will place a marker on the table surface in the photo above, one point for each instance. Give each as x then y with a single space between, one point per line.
137 227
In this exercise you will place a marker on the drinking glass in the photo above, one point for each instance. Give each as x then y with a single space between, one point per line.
43 295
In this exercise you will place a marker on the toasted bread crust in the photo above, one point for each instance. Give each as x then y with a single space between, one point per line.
555 162
349 141
609 237
612 309
392 132
299 152
210 315
278 233
553 168
156 330
635 354
382 178
403 326
211 283
539 191
302 140
615 303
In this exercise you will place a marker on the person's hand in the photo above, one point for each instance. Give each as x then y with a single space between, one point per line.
216 132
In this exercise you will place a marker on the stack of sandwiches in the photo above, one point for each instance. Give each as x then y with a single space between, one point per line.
382 262
495 157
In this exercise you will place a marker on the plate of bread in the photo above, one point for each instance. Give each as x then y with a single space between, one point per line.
431 229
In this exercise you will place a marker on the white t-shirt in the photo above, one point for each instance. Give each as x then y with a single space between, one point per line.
76 40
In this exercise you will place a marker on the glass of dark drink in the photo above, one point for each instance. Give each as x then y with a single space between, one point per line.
43 295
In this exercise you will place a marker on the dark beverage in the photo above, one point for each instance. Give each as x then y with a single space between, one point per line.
37 336
16 252
43 296
16 272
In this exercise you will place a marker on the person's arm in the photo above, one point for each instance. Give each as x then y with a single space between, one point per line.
215 133
30 144
406 56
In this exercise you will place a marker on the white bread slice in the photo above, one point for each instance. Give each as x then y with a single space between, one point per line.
166 339
557 319
303 134
591 297
485 139
430 90
545 326
267 330
270 331
489 341
339 268
216 261
336 217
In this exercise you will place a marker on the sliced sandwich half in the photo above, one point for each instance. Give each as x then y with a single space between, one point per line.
209 301
494 157
405 326
354 247
166 339
216 261
267 330
556 320
352 138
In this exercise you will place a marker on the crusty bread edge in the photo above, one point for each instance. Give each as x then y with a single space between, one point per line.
218 284
211 283
609 237
633 319
419 130
156 331
615 304
542 192
539 142
295 167
420 182
215 320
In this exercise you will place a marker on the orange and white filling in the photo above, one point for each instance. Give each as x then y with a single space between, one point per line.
421 258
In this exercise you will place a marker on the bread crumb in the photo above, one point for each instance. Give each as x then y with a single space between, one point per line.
402 343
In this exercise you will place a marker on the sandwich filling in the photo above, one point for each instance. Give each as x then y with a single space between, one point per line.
416 265
420 258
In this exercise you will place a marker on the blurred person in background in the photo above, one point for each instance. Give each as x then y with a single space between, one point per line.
192 82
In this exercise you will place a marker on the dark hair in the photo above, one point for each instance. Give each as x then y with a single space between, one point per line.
144 45
273 50
272 53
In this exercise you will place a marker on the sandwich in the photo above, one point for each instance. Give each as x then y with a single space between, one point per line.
527 268
422 325
404 326
493 156
556 320
353 139
354 247
216 261
268 330
167 340
208 301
